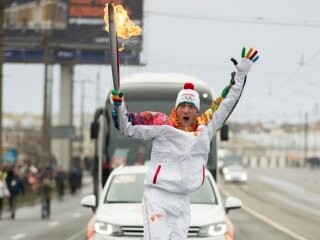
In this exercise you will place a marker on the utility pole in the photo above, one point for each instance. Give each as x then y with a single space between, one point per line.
1 72
46 119
82 116
305 139
315 127
45 125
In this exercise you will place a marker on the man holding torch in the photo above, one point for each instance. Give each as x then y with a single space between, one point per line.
180 147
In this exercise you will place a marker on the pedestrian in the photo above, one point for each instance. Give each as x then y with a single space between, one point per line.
60 182
180 148
46 188
74 178
4 191
16 189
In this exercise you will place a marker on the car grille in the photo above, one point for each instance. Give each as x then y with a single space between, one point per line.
132 231
193 231
137 231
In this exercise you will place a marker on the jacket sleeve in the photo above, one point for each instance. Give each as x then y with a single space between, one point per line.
148 118
206 117
227 104
126 127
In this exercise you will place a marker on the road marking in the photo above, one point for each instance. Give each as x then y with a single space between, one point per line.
53 223
18 236
78 235
274 224
267 220
76 215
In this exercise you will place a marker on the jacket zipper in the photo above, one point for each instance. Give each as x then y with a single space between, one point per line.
156 174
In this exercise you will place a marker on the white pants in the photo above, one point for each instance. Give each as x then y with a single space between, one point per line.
166 215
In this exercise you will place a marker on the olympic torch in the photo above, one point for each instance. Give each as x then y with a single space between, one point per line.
113 44
118 24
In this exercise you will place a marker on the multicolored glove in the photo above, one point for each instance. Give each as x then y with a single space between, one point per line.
115 118
116 98
117 101
247 60
225 91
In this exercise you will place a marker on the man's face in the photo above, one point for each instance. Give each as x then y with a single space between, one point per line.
187 114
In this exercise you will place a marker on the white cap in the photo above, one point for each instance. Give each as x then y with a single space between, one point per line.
188 95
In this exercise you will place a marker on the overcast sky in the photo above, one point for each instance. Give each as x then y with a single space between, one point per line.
198 38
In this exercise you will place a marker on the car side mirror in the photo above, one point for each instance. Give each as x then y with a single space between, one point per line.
224 133
94 129
89 201
232 203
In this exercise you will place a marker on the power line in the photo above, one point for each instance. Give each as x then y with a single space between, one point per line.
255 20
295 73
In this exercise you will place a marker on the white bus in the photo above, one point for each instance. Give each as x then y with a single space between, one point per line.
155 92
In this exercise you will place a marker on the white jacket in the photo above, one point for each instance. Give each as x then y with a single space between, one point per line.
179 158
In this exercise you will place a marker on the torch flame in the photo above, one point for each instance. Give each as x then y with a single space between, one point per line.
125 27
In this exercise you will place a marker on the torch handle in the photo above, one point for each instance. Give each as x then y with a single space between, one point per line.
113 43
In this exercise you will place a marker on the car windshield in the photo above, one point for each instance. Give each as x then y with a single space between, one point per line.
125 188
128 188
205 194
232 160
236 167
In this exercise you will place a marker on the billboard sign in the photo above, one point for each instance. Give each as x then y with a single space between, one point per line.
73 29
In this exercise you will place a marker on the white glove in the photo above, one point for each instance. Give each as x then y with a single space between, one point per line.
247 59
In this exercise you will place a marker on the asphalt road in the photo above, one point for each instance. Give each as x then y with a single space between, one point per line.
277 204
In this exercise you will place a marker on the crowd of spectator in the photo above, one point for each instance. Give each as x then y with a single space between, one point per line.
25 179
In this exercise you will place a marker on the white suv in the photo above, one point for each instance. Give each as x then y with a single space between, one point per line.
118 214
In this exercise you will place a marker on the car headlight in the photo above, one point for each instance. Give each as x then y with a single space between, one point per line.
244 177
107 229
227 176
216 229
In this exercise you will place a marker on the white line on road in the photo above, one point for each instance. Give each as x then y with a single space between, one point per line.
274 224
18 236
78 235
267 220
76 215
53 223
